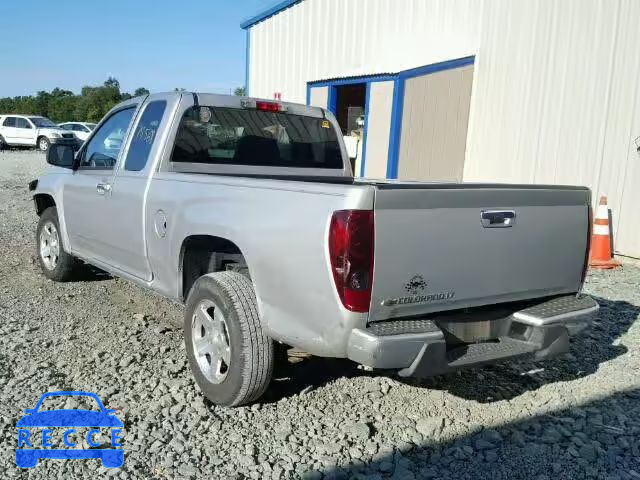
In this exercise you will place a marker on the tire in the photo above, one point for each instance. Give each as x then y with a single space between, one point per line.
223 306
3 145
43 144
56 264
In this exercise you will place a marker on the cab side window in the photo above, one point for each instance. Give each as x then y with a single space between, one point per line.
22 123
144 136
102 151
9 122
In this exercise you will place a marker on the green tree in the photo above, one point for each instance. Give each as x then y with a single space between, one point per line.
240 92
140 91
112 82
63 105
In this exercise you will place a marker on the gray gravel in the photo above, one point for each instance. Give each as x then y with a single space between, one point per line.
575 417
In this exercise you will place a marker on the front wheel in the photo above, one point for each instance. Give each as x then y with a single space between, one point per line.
230 355
43 144
55 263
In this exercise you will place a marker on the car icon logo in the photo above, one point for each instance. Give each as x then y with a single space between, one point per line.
27 453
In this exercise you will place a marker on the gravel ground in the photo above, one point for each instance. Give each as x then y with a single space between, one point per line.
575 417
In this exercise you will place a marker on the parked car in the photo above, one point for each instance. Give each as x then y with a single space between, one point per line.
270 241
82 130
32 131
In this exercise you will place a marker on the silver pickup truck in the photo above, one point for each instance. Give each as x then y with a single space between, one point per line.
248 212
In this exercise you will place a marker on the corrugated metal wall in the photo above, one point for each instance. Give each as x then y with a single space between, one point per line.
321 39
556 101
556 85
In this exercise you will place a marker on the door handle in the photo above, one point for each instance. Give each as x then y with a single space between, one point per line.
103 188
498 218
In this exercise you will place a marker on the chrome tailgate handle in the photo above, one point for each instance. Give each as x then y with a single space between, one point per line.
498 218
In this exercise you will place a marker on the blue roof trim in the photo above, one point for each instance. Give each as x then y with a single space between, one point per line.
352 80
269 12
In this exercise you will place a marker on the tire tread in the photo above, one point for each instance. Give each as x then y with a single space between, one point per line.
257 347
66 263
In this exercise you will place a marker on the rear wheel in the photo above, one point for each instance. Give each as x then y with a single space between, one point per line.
43 144
55 263
230 355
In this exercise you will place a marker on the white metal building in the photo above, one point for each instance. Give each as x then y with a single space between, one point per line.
544 91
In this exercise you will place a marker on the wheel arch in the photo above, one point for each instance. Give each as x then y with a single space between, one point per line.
42 201
202 254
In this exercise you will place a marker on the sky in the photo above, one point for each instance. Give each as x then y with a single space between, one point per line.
192 44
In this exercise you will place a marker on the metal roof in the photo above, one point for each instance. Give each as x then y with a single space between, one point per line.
269 12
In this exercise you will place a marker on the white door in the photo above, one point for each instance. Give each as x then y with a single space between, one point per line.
9 130
87 195
25 132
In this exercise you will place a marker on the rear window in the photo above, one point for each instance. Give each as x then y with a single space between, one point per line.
231 136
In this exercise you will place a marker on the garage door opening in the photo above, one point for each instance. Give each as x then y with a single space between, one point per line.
347 102
348 106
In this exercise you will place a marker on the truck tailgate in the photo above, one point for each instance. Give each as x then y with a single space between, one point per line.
444 247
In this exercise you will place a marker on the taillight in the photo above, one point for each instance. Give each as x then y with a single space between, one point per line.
351 254
268 106
585 267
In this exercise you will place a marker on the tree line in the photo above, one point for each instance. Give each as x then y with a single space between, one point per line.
63 105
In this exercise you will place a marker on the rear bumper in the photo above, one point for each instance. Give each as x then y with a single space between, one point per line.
418 347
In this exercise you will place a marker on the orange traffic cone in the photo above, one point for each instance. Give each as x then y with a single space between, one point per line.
601 256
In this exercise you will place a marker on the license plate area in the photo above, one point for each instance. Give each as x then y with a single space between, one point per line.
457 332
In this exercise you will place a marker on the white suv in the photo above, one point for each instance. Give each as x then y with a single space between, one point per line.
32 131
82 130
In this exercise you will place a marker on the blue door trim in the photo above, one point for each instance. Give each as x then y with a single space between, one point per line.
332 100
395 129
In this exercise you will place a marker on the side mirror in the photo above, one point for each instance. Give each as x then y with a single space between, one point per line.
61 156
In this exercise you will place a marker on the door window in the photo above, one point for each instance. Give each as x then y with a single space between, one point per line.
9 122
144 136
22 123
102 151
